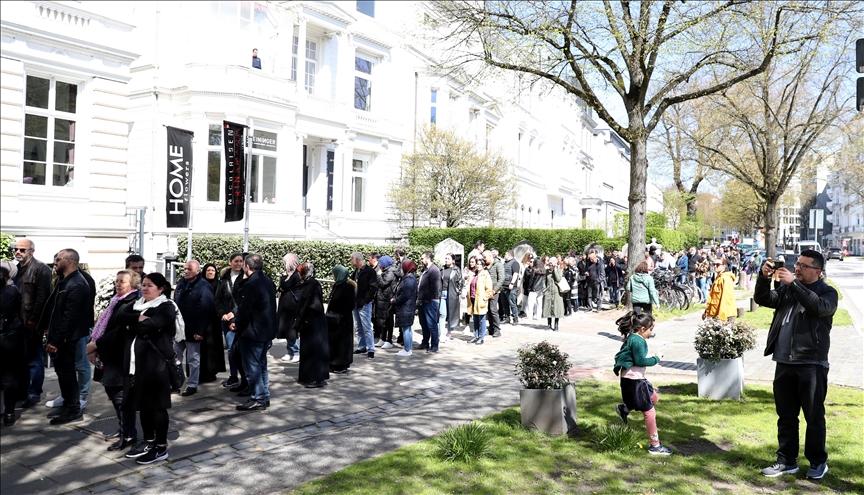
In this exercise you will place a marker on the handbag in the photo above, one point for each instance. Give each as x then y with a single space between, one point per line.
581 278
176 376
563 286
98 371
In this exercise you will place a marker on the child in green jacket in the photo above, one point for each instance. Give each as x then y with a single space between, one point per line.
637 393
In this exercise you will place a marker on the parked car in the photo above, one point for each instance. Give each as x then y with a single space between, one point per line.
835 253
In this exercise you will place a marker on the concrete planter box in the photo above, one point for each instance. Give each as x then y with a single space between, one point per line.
723 379
552 411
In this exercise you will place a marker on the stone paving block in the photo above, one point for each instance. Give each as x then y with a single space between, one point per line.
185 471
310 429
324 423
156 471
224 459
160 478
279 438
342 424
183 463
265 445
202 457
207 463
104 487
223 451
242 445
129 480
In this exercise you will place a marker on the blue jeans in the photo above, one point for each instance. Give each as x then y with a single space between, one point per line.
442 313
408 337
293 347
429 323
511 300
701 282
36 361
480 327
363 326
82 366
229 340
254 356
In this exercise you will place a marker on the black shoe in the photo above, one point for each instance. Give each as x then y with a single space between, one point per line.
208 379
189 391
432 349
555 328
30 402
112 436
122 444
240 386
422 347
245 393
370 355
473 341
496 334
9 419
140 449
67 417
479 342
230 382
548 327
55 412
360 351
515 321
155 454
252 405
314 385
267 403
505 321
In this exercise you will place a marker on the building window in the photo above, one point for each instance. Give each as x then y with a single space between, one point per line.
214 162
362 84
49 132
262 176
359 169
310 63
433 116
366 7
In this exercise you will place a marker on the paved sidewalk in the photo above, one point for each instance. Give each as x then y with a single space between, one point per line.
381 405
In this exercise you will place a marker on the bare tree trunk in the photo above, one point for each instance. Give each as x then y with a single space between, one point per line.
771 227
637 200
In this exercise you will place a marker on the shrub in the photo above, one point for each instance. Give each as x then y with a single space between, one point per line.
7 242
543 366
464 443
617 437
104 293
547 241
716 340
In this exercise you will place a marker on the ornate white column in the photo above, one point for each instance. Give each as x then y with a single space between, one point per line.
301 52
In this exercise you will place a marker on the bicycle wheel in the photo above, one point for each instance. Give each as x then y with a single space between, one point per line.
683 300
668 300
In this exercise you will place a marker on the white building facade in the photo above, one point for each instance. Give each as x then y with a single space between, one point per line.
89 88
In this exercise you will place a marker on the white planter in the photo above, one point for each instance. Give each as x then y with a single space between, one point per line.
552 411
723 379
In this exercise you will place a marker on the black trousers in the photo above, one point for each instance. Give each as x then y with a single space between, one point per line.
67 376
125 416
800 387
154 422
493 318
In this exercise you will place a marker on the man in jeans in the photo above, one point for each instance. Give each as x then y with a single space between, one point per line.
799 340
428 302
194 298
69 314
510 289
34 281
256 327
367 286
496 271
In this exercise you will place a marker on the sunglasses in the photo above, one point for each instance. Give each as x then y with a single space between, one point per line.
21 250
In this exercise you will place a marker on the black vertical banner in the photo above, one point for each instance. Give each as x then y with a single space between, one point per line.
235 171
330 156
179 185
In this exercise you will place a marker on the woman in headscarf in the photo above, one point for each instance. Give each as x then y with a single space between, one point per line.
340 320
107 348
388 277
212 349
312 329
14 373
289 295
404 303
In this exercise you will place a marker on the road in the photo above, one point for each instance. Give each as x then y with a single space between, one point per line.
849 276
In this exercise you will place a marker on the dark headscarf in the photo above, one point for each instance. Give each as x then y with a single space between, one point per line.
213 283
385 262
306 271
340 274
408 266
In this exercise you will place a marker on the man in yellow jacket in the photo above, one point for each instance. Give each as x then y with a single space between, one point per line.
721 298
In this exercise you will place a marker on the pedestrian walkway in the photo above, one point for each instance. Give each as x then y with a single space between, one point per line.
377 407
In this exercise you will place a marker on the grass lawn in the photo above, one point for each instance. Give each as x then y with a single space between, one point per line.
761 318
660 315
832 284
720 447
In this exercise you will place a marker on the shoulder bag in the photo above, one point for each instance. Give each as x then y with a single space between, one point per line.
176 375
563 286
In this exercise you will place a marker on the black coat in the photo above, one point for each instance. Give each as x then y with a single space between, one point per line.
195 300
289 295
312 328
69 311
367 285
13 340
387 282
405 301
152 388
341 333
224 299
110 344
256 313
596 273
429 288
614 276
451 281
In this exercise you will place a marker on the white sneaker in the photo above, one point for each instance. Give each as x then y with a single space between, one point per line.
58 402
468 331
296 358
287 358
83 403
379 343
387 345
403 353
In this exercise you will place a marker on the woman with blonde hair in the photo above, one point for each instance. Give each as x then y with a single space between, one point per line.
480 290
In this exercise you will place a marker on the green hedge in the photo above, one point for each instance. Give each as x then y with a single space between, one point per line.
673 240
7 241
324 255
547 241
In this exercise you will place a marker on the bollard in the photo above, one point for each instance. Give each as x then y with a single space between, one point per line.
740 312
753 305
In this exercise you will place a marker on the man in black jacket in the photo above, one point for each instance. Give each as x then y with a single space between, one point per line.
69 316
428 302
194 298
34 282
256 327
367 286
799 340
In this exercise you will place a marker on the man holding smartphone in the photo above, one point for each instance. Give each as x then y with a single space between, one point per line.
799 340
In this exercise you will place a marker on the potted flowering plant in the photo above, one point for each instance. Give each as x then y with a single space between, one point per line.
720 366
548 401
